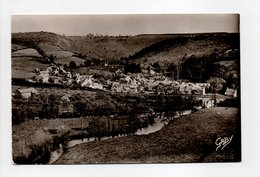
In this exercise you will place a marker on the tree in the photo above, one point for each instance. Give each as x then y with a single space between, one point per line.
175 71
51 80
216 84
132 68
44 113
72 65
53 103
52 59
80 108
157 67
233 80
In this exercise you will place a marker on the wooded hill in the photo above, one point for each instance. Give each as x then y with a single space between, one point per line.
195 57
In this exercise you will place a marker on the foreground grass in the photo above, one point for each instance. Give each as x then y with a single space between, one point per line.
33 138
188 139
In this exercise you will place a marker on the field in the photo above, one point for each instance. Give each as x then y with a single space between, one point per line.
26 52
188 139
23 67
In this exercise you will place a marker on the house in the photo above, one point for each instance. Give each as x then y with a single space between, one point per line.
133 88
44 77
13 95
231 92
200 91
185 88
204 86
128 79
57 80
65 98
116 87
96 86
88 81
26 93
208 103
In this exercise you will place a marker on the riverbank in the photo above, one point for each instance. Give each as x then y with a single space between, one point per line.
36 141
188 139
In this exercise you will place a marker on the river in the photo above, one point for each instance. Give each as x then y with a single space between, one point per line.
158 124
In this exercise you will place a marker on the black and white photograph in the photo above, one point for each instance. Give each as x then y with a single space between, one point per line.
124 89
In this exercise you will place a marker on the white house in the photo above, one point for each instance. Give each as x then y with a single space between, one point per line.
231 92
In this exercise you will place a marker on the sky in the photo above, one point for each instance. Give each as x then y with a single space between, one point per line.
126 24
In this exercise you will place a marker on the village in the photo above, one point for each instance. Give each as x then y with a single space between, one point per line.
149 84
146 82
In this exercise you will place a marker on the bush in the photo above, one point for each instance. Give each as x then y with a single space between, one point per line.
72 65
132 68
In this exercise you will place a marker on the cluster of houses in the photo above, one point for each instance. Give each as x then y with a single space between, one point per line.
149 82
154 83
58 75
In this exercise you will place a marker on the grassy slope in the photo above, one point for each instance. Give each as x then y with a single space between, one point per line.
188 139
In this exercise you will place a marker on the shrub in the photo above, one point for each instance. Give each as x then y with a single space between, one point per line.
72 65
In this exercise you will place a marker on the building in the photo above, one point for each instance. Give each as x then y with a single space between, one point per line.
231 92
26 93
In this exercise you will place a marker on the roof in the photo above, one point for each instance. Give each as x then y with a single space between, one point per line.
33 90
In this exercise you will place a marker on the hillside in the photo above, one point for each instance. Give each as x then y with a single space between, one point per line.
112 48
180 56
188 139
154 47
173 50
192 56
101 47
